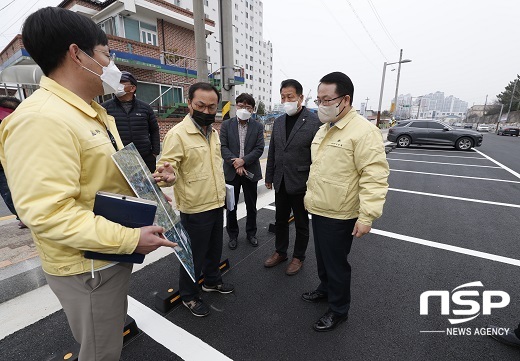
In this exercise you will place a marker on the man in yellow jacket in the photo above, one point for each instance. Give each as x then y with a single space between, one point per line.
192 162
346 191
55 149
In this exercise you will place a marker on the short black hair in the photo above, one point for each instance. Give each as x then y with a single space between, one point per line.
9 102
48 33
246 98
344 85
293 84
202 86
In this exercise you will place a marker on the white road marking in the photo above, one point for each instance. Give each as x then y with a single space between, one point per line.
516 174
272 208
456 198
433 150
447 247
27 309
436 155
455 176
171 336
461 165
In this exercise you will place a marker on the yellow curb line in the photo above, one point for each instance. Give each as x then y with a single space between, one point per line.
7 217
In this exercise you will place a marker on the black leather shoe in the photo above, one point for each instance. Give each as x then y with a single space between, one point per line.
253 240
314 296
329 321
233 243
509 338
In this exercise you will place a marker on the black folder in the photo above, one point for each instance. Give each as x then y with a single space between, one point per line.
128 211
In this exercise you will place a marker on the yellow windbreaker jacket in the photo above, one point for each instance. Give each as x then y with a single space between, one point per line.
198 165
55 151
349 171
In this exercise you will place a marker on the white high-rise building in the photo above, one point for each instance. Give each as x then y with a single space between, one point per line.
252 54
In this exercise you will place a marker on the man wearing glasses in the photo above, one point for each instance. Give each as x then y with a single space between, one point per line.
67 167
191 161
242 140
346 191
288 165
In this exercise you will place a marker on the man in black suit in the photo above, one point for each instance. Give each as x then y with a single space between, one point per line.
242 145
288 165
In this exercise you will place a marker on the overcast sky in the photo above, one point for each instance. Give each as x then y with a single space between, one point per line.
465 48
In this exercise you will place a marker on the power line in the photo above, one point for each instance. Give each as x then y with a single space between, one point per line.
366 30
347 34
382 25
7 5
14 22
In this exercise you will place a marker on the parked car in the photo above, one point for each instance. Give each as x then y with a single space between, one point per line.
468 126
509 131
434 132
483 128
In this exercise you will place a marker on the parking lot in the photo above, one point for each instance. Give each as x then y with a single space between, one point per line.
451 218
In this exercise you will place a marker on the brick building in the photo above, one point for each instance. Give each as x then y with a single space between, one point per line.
152 39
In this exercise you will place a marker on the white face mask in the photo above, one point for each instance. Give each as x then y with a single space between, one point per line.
110 77
243 114
328 113
120 91
290 108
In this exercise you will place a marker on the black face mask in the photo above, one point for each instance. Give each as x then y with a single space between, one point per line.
203 119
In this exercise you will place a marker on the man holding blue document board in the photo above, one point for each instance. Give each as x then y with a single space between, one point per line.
55 177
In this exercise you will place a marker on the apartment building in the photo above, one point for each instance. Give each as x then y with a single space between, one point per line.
253 56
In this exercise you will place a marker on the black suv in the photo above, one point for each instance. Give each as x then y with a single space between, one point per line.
422 131
509 131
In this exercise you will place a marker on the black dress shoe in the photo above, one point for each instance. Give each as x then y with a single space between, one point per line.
509 338
314 296
329 321
253 241
233 243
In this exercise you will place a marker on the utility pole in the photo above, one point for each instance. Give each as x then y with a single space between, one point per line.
511 101
381 96
199 19
397 85
484 111
227 74
499 117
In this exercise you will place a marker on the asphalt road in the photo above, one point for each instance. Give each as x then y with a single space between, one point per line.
451 218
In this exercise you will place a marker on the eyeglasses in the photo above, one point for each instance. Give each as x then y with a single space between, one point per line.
246 107
110 56
212 108
326 102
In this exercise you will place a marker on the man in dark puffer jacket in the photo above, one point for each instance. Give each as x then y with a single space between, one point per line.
135 120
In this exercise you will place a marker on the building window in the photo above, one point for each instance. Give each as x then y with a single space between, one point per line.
108 26
236 6
236 17
148 33
139 31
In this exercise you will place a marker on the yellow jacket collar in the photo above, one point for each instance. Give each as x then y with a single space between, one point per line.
89 109
346 119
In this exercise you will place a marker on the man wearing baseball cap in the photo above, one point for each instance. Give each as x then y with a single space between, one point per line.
135 120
